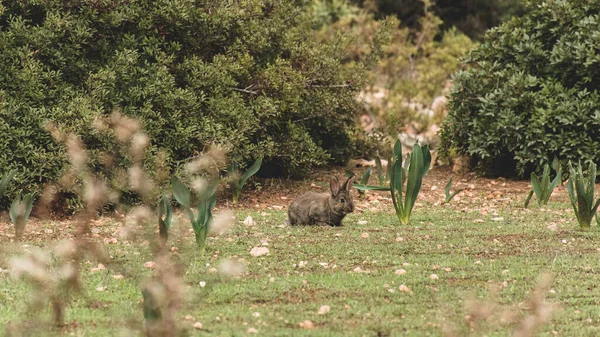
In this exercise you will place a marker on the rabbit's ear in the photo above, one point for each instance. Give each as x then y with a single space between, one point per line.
335 186
348 184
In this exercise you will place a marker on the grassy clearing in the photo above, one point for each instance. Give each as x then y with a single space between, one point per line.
466 248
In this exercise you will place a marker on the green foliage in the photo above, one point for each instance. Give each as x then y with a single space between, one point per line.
543 187
329 11
204 204
581 193
249 76
530 92
420 160
415 68
447 192
238 181
165 217
5 180
19 212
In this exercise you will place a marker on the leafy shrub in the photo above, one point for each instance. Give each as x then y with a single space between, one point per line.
413 71
249 76
530 92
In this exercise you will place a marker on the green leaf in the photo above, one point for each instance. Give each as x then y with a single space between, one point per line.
396 178
251 171
380 175
4 182
545 186
28 201
388 169
528 198
234 168
555 182
426 160
572 195
447 188
536 186
350 173
366 175
362 187
449 195
167 210
164 209
413 183
406 166
181 192
454 194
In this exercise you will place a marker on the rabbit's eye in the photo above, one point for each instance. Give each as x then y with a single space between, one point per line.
342 200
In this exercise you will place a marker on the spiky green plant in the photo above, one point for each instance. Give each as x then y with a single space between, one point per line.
239 181
447 192
413 174
165 217
581 193
19 212
543 187
205 203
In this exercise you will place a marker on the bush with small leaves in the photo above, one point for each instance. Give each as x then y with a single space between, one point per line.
248 76
531 92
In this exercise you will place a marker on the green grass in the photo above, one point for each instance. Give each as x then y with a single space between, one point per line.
479 251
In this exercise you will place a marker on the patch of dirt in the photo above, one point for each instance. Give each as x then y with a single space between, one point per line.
482 194
278 193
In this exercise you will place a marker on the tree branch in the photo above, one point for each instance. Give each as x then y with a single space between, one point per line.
247 90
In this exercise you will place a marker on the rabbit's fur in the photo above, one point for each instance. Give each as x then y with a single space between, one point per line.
323 208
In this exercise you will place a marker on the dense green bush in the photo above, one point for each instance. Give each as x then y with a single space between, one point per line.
247 74
531 91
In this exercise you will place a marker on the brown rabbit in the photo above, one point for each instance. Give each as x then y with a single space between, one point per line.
323 208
